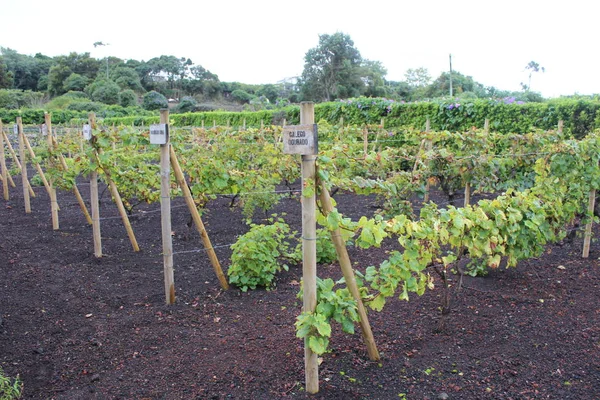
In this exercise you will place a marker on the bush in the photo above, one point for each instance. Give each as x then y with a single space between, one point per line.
255 256
89 106
241 96
154 101
187 104
106 92
128 98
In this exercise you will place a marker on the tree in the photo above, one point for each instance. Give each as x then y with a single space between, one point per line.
331 69
127 78
154 101
75 82
372 75
6 78
81 64
25 70
104 91
127 98
531 67
418 77
461 84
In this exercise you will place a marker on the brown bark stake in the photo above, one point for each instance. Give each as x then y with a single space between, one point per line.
309 251
428 146
5 174
16 160
346 266
165 215
187 195
467 194
588 227
95 203
25 181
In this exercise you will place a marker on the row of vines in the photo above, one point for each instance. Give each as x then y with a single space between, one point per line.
537 184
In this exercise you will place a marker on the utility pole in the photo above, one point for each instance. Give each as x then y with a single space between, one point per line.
450 75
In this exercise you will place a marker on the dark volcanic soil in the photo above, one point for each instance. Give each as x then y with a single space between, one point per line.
76 327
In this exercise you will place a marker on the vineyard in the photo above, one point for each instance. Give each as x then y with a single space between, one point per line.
470 251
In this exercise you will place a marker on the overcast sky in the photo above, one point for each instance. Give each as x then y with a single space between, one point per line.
264 41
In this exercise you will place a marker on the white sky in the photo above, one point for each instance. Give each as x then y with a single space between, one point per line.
264 41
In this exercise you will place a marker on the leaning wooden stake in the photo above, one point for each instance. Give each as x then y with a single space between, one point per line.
25 181
95 204
16 160
346 266
165 214
588 227
309 249
5 173
189 200
82 205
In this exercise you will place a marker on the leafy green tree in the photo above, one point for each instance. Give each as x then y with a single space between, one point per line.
154 101
417 77
81 64
269 91
25 70
241 96
6 78
332 69
127 78
460 83
128 98
104 91
75 82
372 76
187 104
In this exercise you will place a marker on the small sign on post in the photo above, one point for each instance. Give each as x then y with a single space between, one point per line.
300 139
44 130
16 129
87 132
159 133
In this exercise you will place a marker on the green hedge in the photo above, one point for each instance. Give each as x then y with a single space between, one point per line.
580 116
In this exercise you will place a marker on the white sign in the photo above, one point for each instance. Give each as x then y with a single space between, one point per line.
159 134
44 130
87 132
16 129
300 139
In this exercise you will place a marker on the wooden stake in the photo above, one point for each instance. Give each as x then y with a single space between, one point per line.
309 250
165 214
5 173
365 141
51 189
16 160
588 227
561 124
486 126
428 148
95 204
467 194
346 266
189 200
25 181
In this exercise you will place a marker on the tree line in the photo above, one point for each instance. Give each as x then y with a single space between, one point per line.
334 69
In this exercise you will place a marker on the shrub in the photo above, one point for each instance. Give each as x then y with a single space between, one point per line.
187 104
255 256
154 101
128 98
106 92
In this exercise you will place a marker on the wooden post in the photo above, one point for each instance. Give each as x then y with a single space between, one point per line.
561 124
244 126
309 249
95 204
16 160
346 266
588 227
428 147
165 214
25 181
365 141
51 189
5 173
82 205
189 200
486 126
467 194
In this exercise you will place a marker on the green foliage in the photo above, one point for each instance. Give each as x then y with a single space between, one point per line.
187 104
326 253
332 304
255 255
128 98
154 101
104 91
10 389
241 96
